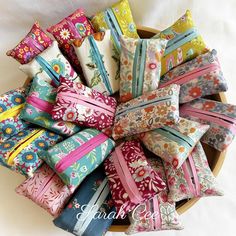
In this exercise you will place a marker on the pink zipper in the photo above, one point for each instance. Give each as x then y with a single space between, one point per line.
210 116
126 177
182 79
40 104
85 101
73 28
79 152
148 209
33 44
156 208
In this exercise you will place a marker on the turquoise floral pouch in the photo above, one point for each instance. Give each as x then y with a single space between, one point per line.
39 105
76 157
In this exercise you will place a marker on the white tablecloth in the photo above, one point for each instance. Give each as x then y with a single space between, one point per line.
216 21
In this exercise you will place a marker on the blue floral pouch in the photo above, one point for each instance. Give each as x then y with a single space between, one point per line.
92 199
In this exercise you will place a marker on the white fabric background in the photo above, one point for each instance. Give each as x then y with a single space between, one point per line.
216 21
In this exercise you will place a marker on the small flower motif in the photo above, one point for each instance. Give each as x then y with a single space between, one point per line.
58 66
208 105
118 129
183 188
81 29
175 162
152 66
140 174
8 129
83 169
77 205
70 114
195 92
29 157
171 181
131 27
65 34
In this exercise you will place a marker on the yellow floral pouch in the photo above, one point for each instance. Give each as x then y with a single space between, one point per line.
184 44
119 20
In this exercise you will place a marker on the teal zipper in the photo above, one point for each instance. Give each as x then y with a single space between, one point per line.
113 25
180 40
100 63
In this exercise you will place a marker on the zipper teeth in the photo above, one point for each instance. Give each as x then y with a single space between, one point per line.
72 27
35 45
36 102
186 169
12 112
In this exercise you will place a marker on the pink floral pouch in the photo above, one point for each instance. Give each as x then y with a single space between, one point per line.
163 213
84 106
46 189
131 179
31 45
72 27
193 179
147 112
221 118
199 77
174 143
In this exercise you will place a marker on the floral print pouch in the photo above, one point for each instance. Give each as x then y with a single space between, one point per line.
92 196
20 152
38 109
49 66
140 66
11 104
164 215
147 112
76 157
98 62
31 45
73 26
185 43
132 181
79 104
174 143
119 20
193 179
219 116
46 189
199 77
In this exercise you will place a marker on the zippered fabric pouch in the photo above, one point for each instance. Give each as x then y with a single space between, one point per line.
38 109
20 152
197 78
76 157
219 116
118 18
164 215
193 179
49 66
140 66
73 26
98 62
11 104
132 181
79 104
174 143
87 212
147 112
46 189
31 45
185 43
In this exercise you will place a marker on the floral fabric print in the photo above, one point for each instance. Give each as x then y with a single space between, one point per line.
174 143
53 61
38 109
72 27
11 104
31 45
184 44
140 66
99 62
165 217
219 116
93 109
199 77
147 112
138 177
76 170
46 189
191 181
20 152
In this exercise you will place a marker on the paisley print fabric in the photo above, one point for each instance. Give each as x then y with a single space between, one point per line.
38 109
199 77
76 157
31 45
131 179
193 179
147 112
84 106
140 66
184 43
46 189
174 143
